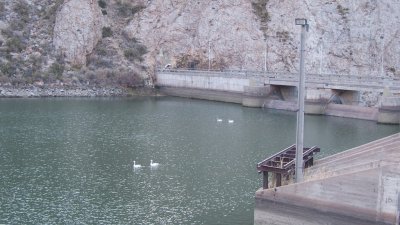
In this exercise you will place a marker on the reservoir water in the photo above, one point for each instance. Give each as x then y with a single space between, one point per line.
70 161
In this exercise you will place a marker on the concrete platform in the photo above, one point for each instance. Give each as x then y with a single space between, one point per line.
358 186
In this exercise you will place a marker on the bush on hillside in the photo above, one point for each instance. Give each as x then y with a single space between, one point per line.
107 32
21 7
15 44
7 69
127 9
102 4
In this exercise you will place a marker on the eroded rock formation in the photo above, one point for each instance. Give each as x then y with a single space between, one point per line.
77 30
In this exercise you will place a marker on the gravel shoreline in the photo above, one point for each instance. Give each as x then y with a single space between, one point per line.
61 91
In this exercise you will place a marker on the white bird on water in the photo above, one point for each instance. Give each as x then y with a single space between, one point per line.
136 166
153 164
219 120
231 121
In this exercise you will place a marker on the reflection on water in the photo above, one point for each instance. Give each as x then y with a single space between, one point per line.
71 160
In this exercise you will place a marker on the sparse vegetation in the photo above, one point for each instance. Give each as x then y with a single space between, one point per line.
22 9
107 32
15 44
57 68
7 69
102 4
135 53
187 61
342 11
33 66
260 9
129 79
134 50
128 9
2 9
283 36
50 13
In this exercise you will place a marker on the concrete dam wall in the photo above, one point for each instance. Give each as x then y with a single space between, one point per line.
324 95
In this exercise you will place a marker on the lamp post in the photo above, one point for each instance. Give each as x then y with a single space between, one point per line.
300 102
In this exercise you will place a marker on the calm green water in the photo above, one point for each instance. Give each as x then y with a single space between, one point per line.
69 161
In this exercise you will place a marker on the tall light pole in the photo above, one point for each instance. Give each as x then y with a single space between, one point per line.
300 102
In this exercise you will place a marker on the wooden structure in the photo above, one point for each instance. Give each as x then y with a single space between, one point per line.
283 163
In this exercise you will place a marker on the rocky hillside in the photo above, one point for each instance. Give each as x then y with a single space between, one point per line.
120 42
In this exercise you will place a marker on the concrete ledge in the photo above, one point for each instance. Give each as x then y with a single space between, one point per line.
389 111
352 111
254 96
223 96
354 195
314 107
279 104
359 186
269 212
256 102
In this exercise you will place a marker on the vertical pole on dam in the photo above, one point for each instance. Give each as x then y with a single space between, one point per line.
300 102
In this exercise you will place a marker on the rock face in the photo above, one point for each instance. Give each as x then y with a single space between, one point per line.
77 30
345 37
225 30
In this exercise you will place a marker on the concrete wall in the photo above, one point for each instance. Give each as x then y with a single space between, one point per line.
358 186
207 82
263 91
369 195
389 111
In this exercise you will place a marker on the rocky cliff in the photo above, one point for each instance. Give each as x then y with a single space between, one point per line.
122 41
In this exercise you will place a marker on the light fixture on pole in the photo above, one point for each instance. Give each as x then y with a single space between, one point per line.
300 102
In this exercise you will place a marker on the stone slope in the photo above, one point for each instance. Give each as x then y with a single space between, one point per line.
66 40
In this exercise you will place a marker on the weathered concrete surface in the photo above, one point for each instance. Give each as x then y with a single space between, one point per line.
389 111
358 186
351 111
222 96
279 104
260 90
254 96
205 82
267 212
